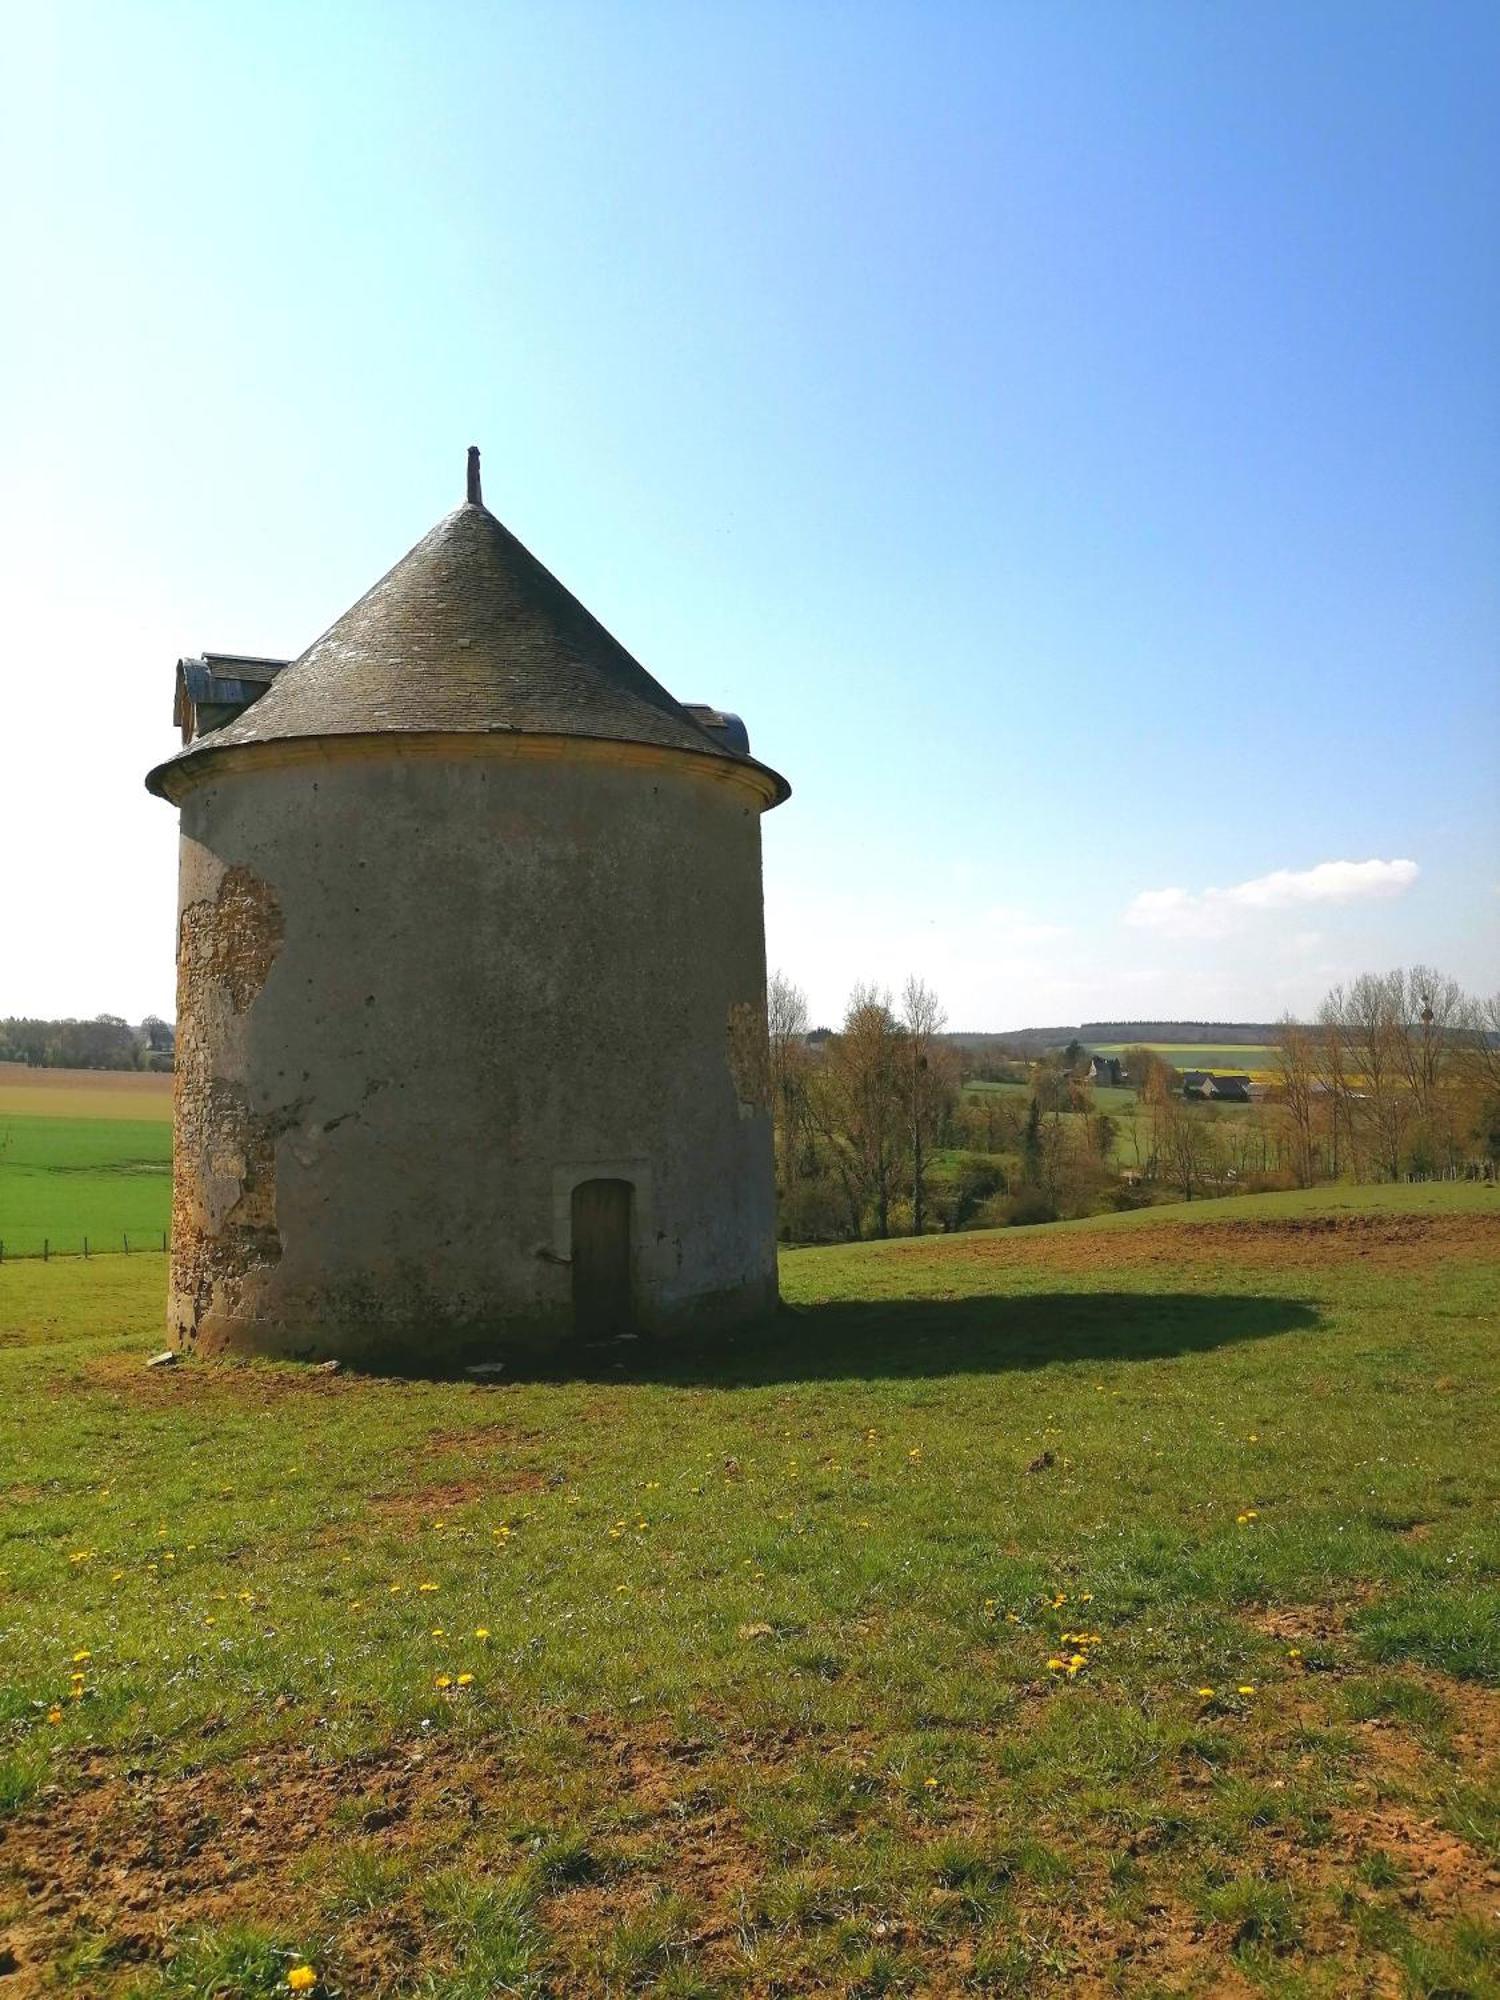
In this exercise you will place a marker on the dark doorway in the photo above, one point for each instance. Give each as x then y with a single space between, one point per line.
601 1259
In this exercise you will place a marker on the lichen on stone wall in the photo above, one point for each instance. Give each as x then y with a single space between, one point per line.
749 1057
224 1182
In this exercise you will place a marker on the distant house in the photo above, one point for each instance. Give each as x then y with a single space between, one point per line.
1230 1089
1195 1082
1106 1069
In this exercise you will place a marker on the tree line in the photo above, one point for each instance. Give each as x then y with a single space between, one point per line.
108 1041
1398 1074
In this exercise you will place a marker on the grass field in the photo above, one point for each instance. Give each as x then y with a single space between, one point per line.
1110 1608
1249 1058
83 1154
83 1093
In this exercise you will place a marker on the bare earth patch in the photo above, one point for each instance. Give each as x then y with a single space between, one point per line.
1394 1239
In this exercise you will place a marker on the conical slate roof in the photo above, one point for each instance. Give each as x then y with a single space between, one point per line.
467 633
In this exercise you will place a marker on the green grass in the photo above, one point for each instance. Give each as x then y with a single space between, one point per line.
764 1703
64 1179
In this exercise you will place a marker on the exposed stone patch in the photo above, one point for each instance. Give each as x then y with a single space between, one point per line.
224 1186
237 935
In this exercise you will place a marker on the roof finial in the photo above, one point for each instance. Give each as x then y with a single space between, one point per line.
474 493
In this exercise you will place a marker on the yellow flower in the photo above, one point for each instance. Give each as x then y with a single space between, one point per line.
930 1783
437 1632
302 1979
466 1680
1248 1515
84 1654
481 1631
1294 1653
1246 1690
1205 1694
54 1714
1055 1666
443 1681
427 1586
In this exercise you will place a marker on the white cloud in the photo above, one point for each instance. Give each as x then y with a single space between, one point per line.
1217 912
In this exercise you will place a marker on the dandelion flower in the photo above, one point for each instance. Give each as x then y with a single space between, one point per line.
1205 1694
302 1979
1245 1690
427 1586
54 1714
1294 1653
481 1631
1055 1666
443 1681
466 1680
83 1654
930 1783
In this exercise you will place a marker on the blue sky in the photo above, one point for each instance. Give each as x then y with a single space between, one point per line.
1070 434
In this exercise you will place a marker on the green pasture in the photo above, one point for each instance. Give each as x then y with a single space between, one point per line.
1132 1120
1112 1607
64 1179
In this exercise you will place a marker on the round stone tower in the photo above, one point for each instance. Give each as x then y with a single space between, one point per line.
471 1030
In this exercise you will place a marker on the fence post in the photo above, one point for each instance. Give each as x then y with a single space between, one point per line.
164 1239
85 1247
45 1248
125 1239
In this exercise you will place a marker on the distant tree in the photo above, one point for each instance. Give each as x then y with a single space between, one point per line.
786 1019
1031 1143
922 1019
1190 1148
1296 1070
859 1104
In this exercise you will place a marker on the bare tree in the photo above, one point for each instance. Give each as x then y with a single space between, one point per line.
1297 1078
922 1019
859 1104
1375 1003
787 1019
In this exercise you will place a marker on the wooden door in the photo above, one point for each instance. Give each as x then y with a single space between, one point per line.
601 1259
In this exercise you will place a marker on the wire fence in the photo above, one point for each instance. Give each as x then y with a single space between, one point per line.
47 1249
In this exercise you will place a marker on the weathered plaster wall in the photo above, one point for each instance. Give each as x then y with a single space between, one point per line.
419 998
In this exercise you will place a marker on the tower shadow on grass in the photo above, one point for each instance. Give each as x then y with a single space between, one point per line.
908 1339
